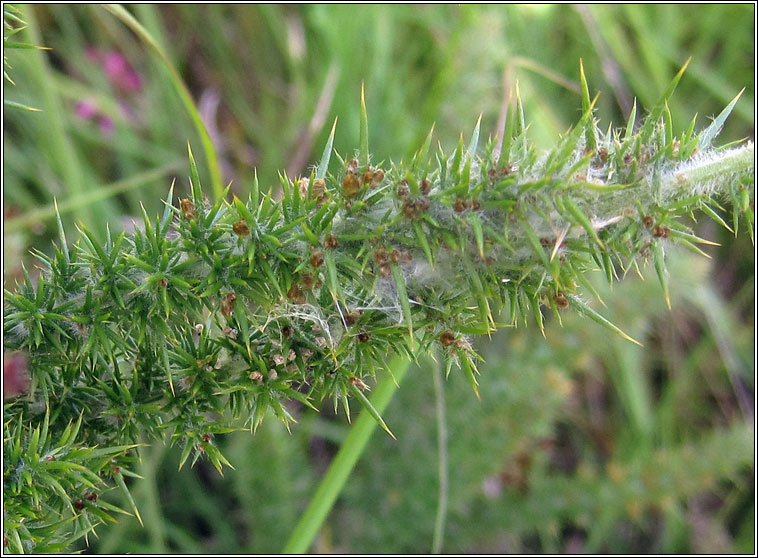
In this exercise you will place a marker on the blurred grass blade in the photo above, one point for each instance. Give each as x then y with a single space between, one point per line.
364 154
76 202
210 151
56 141
352 448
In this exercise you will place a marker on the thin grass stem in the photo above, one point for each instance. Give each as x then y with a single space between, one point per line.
442 459
339 470
205 138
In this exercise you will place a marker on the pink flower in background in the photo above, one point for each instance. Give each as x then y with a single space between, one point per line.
15 375
120 72
107 126
86 109
92 54
117 69
124 79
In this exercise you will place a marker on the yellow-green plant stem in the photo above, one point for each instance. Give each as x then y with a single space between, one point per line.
210 152
442 458
339 470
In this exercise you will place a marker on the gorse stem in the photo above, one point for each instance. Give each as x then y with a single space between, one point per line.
217 313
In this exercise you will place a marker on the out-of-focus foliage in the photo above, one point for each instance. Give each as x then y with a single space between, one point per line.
564 455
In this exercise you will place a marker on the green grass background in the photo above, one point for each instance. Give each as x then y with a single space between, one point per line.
582 442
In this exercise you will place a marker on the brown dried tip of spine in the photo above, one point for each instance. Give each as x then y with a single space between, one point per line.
675 148
380 255
660 231
240 228
227 304
463 344
163 283
317 258
561 300
409 209
447 338
352 317
319 189
287 331
357 382
188 208
502 172
295 294
331 242
363 337
307 280
206 438
460 205
350 185
256 376
647 220
601 156
302 187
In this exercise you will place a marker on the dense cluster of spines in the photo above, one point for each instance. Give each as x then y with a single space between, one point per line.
219 311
